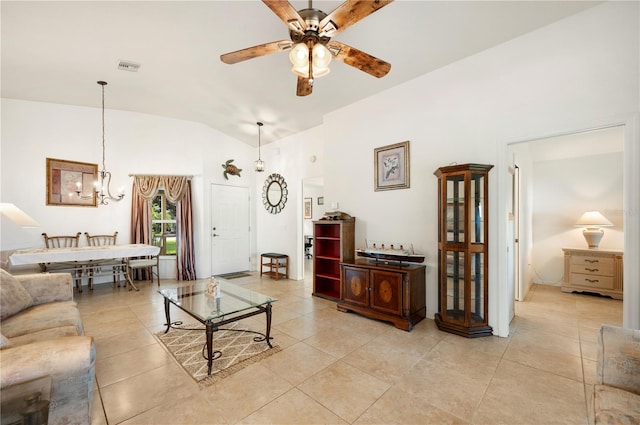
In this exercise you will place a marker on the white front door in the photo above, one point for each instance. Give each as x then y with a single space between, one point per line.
229 229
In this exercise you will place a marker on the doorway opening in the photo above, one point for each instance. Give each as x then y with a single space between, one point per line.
554 181
313 209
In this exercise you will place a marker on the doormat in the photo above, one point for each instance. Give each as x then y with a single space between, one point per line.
187 344
233 275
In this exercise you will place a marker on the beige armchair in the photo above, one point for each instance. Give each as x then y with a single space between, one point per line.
616 398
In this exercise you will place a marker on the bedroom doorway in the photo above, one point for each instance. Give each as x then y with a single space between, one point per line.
554 181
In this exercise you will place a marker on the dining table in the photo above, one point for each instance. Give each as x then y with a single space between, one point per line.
80 258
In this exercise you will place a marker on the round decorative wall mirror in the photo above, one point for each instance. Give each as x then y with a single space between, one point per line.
274 193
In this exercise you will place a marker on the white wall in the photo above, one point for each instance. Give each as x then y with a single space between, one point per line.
571 75
563 190
290 157
135 143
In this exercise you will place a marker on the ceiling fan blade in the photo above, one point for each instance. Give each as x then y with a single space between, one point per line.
347 14
256 51
287 14
359 59
304 88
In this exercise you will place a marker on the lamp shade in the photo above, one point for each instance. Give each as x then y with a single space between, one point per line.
593 219
16 215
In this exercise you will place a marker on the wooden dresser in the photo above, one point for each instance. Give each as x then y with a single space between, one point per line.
392 293
593 270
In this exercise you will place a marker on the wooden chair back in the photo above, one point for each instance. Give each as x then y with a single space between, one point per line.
61 241
101 240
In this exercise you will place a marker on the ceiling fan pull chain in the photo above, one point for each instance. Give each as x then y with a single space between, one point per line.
310 61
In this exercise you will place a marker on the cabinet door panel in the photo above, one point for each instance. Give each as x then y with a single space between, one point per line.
386 292
355 288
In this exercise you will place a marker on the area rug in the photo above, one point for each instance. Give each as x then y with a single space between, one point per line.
187 343
234 275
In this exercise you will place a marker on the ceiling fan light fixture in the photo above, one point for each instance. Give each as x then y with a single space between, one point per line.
321 56
299 57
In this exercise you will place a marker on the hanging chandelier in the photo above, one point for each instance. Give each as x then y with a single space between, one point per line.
259 162
102 188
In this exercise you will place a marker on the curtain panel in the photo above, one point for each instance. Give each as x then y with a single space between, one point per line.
177 189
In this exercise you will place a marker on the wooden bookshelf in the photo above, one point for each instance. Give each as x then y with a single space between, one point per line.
333 243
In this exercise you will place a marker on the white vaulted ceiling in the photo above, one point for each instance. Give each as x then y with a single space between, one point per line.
56 51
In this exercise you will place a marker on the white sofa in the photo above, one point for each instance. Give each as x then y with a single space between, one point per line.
42 336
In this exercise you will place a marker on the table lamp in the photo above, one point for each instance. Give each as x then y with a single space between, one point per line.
593 221
16 215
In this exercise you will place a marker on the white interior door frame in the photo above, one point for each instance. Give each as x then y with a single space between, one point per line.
230 229
503 300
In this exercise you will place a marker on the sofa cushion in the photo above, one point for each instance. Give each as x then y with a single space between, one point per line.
619 358
4 342
42 317
13 297
43 335
615 406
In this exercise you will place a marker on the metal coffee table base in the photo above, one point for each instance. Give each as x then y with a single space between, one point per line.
211 327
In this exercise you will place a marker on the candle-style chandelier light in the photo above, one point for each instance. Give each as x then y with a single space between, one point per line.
102 188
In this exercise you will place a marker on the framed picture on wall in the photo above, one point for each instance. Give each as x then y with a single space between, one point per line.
391 165
308 204
320 200
71 183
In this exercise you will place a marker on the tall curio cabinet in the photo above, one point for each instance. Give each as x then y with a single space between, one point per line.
462 249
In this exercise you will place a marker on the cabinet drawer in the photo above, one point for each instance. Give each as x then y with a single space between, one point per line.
591 281
580 260
593 269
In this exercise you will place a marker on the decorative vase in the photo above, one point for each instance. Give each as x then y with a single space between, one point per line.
213 289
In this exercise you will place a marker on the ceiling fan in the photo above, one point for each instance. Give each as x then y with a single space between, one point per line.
311 47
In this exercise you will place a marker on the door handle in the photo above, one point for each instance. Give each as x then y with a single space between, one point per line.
214 235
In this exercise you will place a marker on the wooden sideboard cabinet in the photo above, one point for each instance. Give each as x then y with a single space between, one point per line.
333 242
388 292
593 270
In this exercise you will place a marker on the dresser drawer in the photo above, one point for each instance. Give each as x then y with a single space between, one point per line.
592 281
580 260
601 269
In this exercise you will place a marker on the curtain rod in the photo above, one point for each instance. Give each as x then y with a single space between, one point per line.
160 175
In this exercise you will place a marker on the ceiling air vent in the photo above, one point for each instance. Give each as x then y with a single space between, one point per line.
128 66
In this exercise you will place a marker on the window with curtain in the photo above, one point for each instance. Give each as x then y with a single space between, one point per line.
161 213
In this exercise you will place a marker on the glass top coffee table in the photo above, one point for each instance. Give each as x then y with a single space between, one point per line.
234 303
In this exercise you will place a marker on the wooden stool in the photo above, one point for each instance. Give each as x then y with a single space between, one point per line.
274 264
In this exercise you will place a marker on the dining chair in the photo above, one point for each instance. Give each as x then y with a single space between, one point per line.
61 241
117 265
56 242
149 263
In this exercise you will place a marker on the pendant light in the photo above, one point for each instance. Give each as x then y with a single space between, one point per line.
102 190
259 161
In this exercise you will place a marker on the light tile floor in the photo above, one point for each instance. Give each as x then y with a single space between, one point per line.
343 368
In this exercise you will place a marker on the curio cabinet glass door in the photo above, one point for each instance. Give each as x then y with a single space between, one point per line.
462 249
